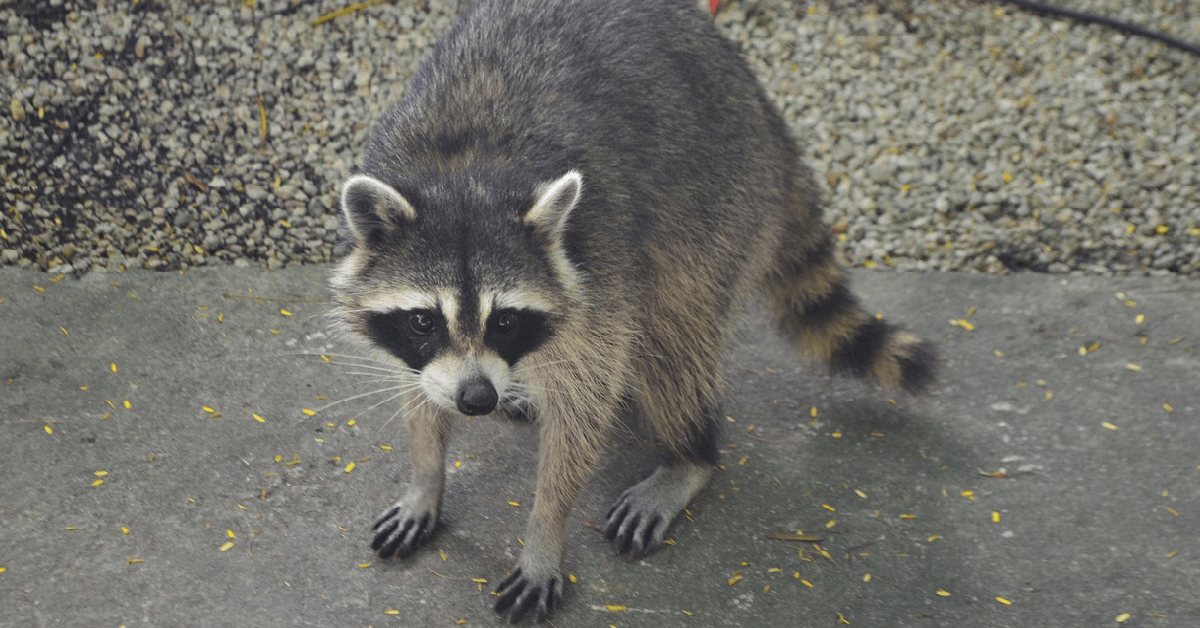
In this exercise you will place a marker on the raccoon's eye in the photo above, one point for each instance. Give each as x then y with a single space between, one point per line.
422 323
506 323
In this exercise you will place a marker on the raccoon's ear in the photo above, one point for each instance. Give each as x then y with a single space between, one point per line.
554 203
373 208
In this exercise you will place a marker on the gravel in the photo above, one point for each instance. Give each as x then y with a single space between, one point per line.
947 134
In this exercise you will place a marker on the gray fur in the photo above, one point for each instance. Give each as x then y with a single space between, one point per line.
606 177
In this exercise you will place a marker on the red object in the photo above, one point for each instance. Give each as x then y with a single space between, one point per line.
712 5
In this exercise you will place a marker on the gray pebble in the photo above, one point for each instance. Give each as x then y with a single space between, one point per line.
1014 132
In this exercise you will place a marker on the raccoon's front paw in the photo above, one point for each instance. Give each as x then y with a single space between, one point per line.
401 530
521 594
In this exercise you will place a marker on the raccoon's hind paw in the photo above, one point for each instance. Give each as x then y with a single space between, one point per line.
638 522
400 531
634 526
521 595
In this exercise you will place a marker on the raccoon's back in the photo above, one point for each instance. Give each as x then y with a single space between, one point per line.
636 93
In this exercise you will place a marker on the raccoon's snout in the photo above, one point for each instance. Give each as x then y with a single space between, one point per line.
476 397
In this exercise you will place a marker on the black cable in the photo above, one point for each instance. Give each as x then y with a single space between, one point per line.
1104 20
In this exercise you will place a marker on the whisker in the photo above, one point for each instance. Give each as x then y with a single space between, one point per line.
413 404
346 357
385 369
303 354
407 408
341 359
389 421
389 399
528 394
376 376
359 396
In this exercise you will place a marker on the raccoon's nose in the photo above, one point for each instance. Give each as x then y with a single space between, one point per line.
477 397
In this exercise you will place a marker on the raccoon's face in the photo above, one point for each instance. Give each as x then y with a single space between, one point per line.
464 359
458 286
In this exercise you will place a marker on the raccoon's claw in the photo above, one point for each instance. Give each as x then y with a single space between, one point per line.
633 528
521 595
399 531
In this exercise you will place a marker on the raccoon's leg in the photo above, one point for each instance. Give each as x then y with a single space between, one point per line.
410 522
570 448
638 521
810 297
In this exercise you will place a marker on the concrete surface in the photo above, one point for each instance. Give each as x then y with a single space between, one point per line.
1098 520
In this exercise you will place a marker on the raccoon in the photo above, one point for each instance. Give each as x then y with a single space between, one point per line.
564 213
